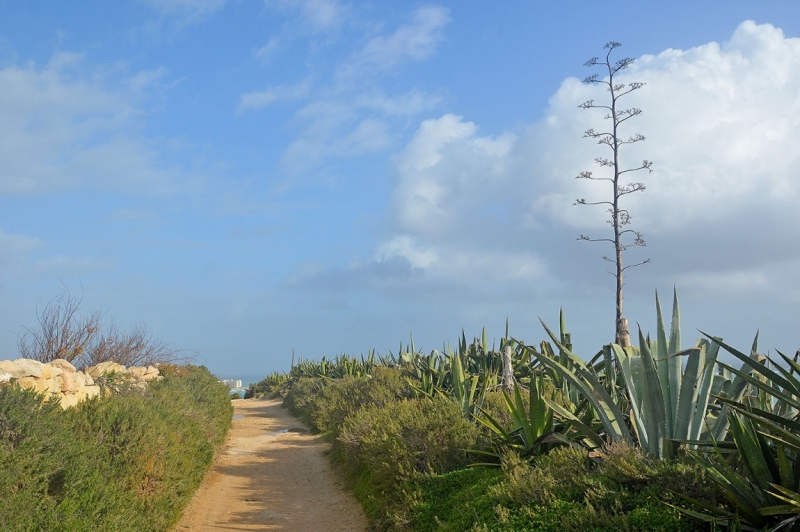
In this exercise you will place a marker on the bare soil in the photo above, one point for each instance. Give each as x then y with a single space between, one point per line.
271 475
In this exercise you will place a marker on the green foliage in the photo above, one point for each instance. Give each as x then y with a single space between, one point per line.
299 399
343 397
271 385
129 462
532 429
631 408
384 446
562 490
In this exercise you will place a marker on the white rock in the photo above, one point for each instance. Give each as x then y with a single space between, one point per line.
62 364
33 368
10 368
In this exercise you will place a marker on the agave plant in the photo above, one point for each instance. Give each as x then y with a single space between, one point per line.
664 399
534 430
762 428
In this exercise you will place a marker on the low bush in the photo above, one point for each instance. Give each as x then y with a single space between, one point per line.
124 462
301 395
381 447
563 490
344 397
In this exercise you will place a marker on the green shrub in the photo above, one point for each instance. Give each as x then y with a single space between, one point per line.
124 462
381 447
563 490
301 395
273 385
623 489
344 397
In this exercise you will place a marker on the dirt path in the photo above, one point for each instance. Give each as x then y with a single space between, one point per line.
271 475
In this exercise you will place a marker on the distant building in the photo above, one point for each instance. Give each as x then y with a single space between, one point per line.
230 383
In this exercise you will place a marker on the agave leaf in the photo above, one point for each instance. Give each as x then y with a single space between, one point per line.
738 387
787 495
674 363
662 353
786 469
704 392
778 432
752 453
653 409
624 360
489 422
609 413
690 388
765 386
757 366
575 423
795 367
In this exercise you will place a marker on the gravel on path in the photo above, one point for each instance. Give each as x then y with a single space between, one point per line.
271 474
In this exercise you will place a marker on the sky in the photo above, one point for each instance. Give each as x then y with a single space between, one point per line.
252 178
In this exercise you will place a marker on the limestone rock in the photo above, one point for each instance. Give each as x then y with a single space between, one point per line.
63 364
69 400
91 391
138 372
10 368
105 367
44 386
69 382
152 373
34 368
27 383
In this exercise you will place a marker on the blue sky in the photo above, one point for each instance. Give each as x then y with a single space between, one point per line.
248 177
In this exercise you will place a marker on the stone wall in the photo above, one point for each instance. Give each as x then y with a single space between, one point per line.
60 379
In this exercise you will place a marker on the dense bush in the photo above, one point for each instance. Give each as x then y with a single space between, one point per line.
124 462
563 490
381 447
346 396
300 397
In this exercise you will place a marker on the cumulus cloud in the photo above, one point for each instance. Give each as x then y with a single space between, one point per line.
722 123
720 120
67 125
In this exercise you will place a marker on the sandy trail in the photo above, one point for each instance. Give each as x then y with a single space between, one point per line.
269 478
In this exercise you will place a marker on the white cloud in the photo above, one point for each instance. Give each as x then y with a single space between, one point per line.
18 260
415 41
258 100
68 124
722 124
447 172
352 114
347 124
